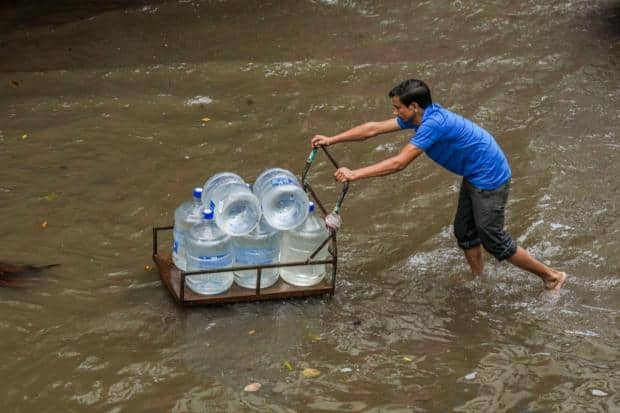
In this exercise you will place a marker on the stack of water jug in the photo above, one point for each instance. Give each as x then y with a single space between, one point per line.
229 223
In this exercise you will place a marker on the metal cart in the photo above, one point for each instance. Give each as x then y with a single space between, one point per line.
174 278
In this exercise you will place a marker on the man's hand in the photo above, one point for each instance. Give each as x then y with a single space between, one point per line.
319 140
344 175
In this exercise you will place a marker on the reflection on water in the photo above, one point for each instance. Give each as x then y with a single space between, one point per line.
102 138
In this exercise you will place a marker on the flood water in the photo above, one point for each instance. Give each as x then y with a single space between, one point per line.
101 138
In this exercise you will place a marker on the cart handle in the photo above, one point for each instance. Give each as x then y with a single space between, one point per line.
345 186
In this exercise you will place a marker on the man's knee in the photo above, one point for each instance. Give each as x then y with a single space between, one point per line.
466 238
500 245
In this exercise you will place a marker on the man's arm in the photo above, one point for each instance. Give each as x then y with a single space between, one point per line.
358 133
388 166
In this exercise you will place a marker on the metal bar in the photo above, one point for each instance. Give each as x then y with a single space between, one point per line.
343 193
255 267
166 228
154 242
320 247
329 155
258 277
155 231
182 287
335 264
316 198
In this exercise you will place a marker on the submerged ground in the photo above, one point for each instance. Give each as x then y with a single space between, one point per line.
101 138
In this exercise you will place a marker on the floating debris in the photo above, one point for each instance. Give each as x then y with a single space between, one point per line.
20 275
205 120
251 332
44 224
147 268
199 100
471 376
314 337
288 365
252 387
586 333
407 359
346 370
49 197
311 373
599 393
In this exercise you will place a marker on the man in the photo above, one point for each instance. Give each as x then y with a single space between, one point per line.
463 148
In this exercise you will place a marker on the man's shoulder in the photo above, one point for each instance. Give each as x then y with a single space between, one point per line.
435 115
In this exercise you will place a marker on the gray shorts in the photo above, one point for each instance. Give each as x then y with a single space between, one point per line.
480 220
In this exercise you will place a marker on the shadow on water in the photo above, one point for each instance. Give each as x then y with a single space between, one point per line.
605 21
19 15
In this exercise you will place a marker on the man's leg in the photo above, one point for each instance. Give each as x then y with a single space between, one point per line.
475 260
553 279
466 233
488 207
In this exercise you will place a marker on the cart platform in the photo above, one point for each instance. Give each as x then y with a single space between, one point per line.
171 277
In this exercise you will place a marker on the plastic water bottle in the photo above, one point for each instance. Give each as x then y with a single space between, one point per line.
283 201
236 208
185 216
207 247
298 244
259 247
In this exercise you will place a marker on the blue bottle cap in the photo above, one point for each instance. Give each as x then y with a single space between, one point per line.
311 206
197 193
207 213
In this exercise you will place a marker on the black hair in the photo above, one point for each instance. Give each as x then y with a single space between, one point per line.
412 90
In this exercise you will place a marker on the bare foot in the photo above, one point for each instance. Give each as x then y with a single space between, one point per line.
556 284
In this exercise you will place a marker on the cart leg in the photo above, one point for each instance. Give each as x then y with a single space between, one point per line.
258 277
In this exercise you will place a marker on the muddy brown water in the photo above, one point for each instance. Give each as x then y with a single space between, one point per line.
101 136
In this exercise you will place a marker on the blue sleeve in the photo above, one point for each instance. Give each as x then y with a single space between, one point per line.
403 124
427 134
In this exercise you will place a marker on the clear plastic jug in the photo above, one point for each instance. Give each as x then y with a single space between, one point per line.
235 207
283 201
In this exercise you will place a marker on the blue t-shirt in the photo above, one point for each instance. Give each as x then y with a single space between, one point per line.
460 146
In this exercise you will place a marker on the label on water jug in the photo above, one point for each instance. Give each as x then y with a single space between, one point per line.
215 261
282 181
256 256
175 246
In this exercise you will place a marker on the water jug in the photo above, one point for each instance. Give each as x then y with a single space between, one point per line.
259 247
235 207
298 244
185 216
283 201
207 247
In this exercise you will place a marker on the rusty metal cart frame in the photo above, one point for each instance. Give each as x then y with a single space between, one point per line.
174 278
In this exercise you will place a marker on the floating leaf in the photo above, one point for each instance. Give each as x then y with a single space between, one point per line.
288 365
311 373
252 387
44 224
49 197
205 120
14 83
24 136
407 359
314 336
251 332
